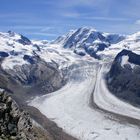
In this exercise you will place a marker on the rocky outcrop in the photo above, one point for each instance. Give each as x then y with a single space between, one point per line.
123 79
15 124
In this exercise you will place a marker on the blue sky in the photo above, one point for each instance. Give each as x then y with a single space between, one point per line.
47 19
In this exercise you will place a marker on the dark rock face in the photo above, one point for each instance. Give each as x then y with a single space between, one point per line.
14 124
36 46
29 59
114 38
3 54
14 53
11 33
124 82
24 40
101 46
133 57
92 53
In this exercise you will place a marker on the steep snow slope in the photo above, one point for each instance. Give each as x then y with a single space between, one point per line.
23 63
16 50
87 36
15 46
131 42
88 41
100 45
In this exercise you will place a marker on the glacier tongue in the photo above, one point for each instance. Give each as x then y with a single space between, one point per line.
73 108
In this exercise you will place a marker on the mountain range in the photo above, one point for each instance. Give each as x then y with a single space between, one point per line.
67 71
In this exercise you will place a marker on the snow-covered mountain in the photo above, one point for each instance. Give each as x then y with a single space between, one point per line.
88 41
83 41
21 57
85 108
81 98
16 50
27 64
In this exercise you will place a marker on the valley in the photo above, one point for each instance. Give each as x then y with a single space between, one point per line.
65 84
72 109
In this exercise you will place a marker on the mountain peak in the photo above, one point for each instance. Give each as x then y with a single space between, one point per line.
87 28
11 33
135 36
89 40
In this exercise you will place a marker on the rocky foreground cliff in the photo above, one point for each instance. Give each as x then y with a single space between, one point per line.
124 77
16 124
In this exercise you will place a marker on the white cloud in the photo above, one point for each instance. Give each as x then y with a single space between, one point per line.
89 17
121 28
71 15
42 34
91 3
27 27
137 22
46 29
105 18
